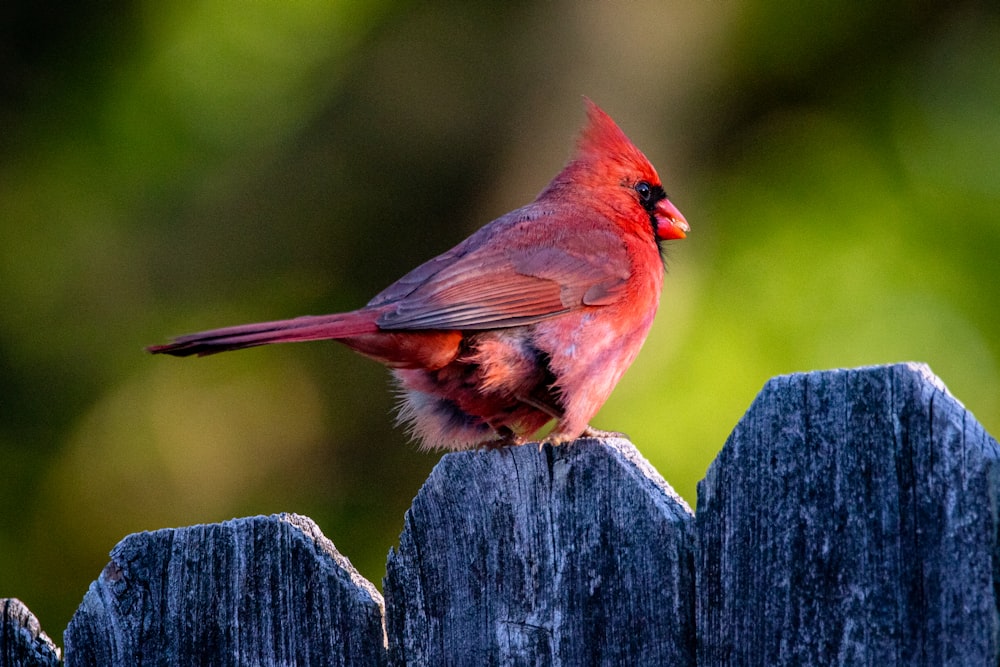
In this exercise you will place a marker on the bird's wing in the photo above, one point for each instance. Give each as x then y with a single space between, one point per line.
518 270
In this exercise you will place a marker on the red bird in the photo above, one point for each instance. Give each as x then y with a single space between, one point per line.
534 317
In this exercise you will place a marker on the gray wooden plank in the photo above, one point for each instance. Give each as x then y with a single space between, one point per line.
261 590
574 555
851 518
22 642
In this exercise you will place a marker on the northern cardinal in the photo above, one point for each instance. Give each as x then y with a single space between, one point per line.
534 317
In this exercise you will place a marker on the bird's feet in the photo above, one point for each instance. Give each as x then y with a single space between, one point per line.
556 439
505 438
591 432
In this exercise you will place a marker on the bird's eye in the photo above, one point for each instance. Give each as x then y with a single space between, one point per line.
645 191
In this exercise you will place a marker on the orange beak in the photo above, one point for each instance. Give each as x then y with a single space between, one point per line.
670 224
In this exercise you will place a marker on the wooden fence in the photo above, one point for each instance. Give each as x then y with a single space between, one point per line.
851 518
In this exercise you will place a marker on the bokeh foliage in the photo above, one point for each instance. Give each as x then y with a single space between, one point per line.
173 166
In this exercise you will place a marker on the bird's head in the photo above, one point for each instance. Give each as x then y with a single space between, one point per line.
610 166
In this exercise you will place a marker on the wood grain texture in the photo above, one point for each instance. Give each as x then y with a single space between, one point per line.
256 591
22 642
574 555
851 518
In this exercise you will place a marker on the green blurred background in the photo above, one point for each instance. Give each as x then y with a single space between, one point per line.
174 166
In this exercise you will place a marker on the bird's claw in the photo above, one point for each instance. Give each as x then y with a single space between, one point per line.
506 438
591 432
510 439
557 439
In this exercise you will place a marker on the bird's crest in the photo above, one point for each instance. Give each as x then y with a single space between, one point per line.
602 140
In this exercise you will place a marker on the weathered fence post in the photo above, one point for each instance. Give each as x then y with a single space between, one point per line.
256 591
851 519
22 642
578 555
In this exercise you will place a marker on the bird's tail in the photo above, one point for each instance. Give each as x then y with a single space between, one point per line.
310 327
